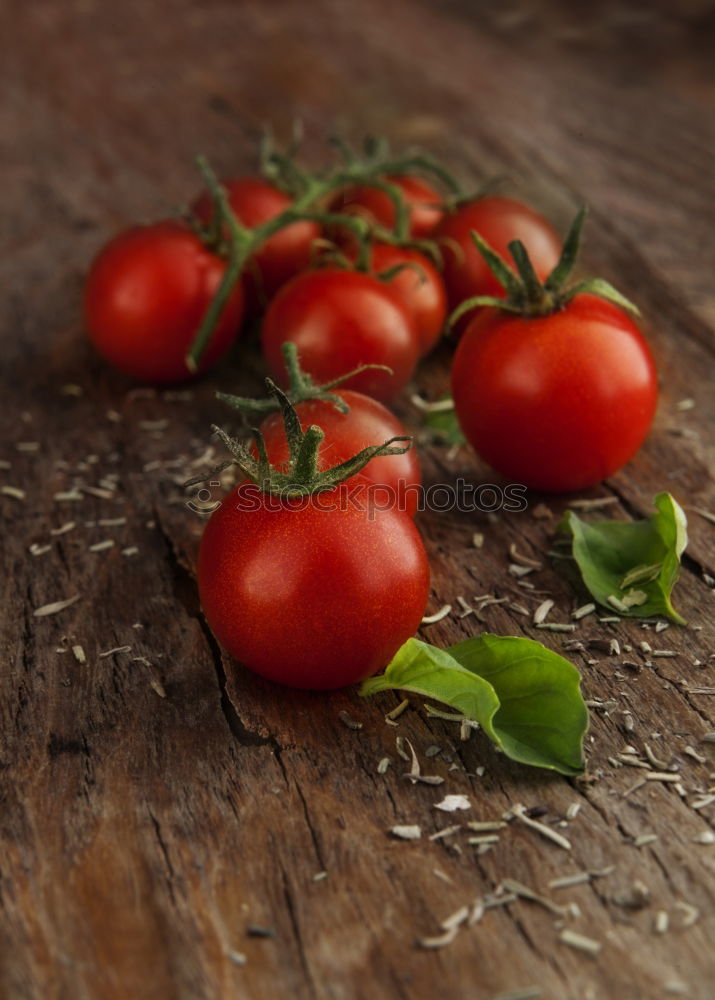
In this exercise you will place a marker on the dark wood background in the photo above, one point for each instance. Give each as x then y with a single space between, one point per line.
159 803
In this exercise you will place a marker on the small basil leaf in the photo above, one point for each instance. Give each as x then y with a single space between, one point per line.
444 425
631 567
525 697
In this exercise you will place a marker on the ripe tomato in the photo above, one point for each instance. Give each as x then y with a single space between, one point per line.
366 423
318 596
498 220
424 204
419 286
146 294
255 201
340 319
557 402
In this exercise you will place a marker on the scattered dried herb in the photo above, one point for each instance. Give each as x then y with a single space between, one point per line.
55 607
437 616
451 803
580 942
412 832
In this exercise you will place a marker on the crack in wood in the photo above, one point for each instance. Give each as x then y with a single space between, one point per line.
164 848
241 733
684 694
186 592
295 925
311 828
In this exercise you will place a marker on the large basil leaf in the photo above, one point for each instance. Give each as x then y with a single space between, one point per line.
525 697
632 561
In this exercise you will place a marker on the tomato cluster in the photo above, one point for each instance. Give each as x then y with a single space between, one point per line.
351 274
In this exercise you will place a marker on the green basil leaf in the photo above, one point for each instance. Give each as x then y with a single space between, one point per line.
525 697
542 717
444 425
632 560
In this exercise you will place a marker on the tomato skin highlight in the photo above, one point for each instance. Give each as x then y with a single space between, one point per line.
424 204
285 254
367 423
498 220
558 402
145 296
314 598
339 319
419 286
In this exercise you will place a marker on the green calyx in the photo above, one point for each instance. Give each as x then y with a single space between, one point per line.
491 186
429 248
526 295
301 388
280 167
301 476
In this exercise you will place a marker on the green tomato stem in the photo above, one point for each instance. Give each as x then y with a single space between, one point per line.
239 248
306 459
307 190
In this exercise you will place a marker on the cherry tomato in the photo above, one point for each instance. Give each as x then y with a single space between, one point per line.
557 402
498 220
366 423
424 203
255 201
419 286
339 319
146 294
318 594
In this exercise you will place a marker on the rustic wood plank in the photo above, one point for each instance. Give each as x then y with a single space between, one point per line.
155 809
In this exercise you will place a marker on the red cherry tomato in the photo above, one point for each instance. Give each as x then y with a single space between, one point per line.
340 319
557 402
498 220
419 286
146 294
255 201
318 596
424 203
366 423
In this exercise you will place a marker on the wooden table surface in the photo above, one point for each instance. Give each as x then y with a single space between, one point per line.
159 803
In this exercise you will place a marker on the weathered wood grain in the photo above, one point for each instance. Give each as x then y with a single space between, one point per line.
159 802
